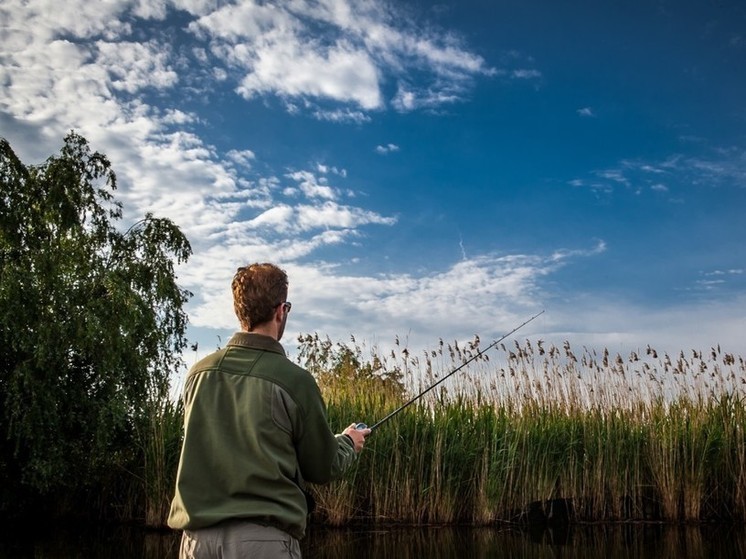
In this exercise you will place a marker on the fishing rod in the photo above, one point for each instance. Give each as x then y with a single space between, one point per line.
456 370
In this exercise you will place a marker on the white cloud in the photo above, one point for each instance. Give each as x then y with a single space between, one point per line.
724 168
526 74
729 272
339 73
177 117
419 311
331 214
487 295
341 115
406 100
624 327
278 218
483 294
586 111
326 169
134 66
614 175
271 44
388 148
79 18
313 187
243 158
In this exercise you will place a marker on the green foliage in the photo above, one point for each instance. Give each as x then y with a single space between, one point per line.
338 367
92 319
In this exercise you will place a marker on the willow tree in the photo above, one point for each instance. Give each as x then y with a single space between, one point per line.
91 320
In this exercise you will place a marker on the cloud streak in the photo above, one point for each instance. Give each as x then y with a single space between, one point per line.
723 168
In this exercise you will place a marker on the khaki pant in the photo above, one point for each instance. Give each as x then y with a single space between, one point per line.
238 539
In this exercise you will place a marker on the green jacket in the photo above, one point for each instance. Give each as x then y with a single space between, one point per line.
255 427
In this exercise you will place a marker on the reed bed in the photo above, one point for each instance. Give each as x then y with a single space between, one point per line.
538 429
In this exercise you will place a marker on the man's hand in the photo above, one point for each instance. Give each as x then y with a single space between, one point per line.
357 436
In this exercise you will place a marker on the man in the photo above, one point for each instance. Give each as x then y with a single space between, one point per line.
255 430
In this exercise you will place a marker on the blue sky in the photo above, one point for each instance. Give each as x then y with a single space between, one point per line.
424 170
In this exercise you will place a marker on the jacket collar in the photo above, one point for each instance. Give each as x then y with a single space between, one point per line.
256 341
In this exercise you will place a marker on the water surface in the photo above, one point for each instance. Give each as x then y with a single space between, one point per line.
613 541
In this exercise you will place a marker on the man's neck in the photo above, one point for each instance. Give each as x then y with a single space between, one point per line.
267 329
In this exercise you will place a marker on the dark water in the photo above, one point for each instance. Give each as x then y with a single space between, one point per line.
616 541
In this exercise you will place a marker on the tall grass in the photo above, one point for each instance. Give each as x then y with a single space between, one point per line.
642 437
533 426
143 484
160 445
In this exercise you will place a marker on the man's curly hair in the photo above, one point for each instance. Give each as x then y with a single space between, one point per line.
257 290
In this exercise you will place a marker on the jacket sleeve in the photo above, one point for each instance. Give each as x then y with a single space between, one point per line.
322 455
346 456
